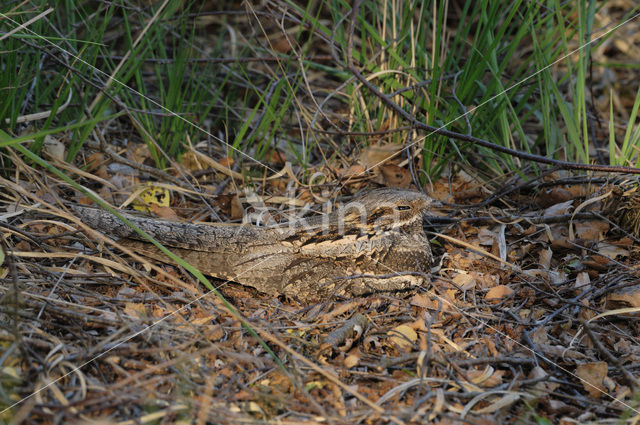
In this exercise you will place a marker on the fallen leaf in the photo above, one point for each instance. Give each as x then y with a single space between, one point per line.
352 359
351 172
543 386
611 251
152 195
624 297
283 44
427 302
559 209
135 310
396 176
540 336
486 236
214 332
375 155
53 148
465 281
166 213
545 258
404 336
593 230
554 196
275 156
190 161
227 161
555 276
498 292
236 208
582 280
592 376
95 160
486 280
487 378
560 351
138 153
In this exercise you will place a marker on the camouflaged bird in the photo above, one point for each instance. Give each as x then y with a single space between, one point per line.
362 247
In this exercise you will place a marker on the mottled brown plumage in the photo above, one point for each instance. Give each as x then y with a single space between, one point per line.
361 247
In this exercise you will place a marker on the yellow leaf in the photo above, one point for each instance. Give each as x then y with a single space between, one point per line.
314 384
152 195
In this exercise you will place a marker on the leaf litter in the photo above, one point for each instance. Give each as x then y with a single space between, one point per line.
103 332
463 346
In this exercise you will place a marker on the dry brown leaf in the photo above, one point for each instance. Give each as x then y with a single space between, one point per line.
558 209
592 376
553 196
465 281
339 309
540 336
558 236
190 161
53 148
440 191
611 251
356 170
353 358
135 310
230 205
283 44
214 333
560 351
449 296
224 203
487 378
555 276
623 346
93 161
486 237
376 155
582 280
545 258
591 230
396 176
499 292
227 161
469 195
624 297
275 156
166 213
139 153
542 387
486 280
403 336
426 302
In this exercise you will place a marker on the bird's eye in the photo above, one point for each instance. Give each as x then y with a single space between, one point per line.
403 207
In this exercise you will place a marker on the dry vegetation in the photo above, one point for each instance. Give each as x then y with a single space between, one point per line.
529 315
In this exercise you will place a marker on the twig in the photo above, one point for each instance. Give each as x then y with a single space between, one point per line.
352 328
538 219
